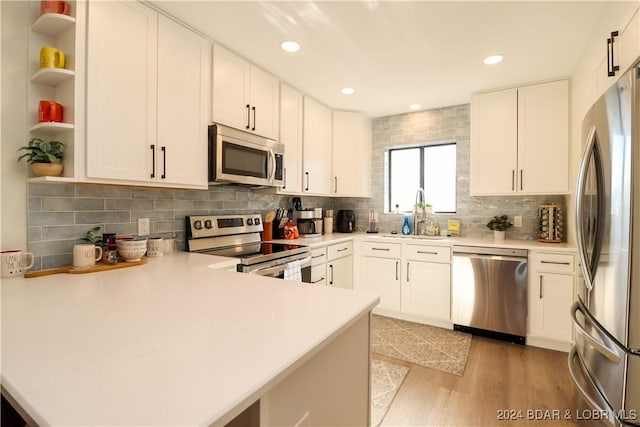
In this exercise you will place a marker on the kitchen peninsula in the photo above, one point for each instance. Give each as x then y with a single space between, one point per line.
179 342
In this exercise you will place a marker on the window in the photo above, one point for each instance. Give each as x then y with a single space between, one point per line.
431 167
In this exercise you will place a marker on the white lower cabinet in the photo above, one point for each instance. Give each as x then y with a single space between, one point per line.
332 265
382 276
551 294
426 290
340 265
319 266
412 280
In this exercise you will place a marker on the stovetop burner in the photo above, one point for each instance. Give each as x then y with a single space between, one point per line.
252 253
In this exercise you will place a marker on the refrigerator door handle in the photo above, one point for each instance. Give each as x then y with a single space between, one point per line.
573 356
581 186
598 344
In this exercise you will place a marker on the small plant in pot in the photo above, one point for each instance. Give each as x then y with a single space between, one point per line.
499 225
44 156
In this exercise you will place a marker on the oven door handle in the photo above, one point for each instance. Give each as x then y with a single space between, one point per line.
271 271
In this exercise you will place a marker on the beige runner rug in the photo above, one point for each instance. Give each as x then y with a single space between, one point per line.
429 346
386 379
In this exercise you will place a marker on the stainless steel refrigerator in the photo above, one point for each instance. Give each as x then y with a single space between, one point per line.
605 360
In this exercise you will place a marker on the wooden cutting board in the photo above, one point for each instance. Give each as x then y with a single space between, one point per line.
97 267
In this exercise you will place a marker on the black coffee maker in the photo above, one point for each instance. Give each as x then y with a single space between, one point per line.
345 221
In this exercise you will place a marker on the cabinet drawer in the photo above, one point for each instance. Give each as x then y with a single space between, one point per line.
319 274
318 256
428 253
555 263
381 250
339 250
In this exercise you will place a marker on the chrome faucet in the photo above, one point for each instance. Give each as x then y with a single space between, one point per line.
420 215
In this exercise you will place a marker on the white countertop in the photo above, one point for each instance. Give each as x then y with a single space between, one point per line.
331 238
172 342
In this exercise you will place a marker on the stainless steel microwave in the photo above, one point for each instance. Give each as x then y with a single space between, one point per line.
244 158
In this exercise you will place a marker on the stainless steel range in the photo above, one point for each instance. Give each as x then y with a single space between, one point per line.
238 236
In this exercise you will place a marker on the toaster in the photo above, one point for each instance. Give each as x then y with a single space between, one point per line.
345 221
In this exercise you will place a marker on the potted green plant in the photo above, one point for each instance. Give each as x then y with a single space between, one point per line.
44 156
499 224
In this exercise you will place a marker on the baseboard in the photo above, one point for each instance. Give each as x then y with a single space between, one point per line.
549 343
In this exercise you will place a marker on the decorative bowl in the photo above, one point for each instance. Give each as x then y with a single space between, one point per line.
132 250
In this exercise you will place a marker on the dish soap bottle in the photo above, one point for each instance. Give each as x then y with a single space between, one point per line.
406 228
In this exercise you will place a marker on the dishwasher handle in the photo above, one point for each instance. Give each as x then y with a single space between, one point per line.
491 257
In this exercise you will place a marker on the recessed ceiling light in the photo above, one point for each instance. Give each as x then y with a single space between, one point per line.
493 59
415 106
348 90
290 46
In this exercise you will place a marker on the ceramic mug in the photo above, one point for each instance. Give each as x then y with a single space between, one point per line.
15 262
55 6
50 111
154 246
85 255
50 57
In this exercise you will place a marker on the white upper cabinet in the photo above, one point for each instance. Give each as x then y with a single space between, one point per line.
244 96
291 137
121 90
316 159
184 85
520 140
543 138
494 148
351 154
148 86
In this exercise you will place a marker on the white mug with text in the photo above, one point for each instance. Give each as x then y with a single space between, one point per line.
15 262
85 255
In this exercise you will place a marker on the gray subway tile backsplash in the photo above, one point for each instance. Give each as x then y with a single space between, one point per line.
60 214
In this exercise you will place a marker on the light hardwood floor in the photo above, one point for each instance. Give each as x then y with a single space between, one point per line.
498 377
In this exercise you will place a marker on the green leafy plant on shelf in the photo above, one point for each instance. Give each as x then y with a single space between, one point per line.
40 151
92 236
499 223
44 156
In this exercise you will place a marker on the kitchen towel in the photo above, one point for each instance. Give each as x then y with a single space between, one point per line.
292 271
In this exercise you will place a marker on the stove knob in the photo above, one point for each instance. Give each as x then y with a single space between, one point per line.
197 224
257 221
249 221
208 224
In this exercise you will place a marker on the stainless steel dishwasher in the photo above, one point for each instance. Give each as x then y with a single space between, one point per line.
490 292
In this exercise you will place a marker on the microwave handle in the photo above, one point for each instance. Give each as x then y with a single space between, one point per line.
272 156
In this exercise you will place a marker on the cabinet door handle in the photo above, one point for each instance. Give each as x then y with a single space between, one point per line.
317 256
513 180
611 67
381 249
307 187
428 253
540 287
335 185
342 250
520 179
153 156
331 281
164 162
248 116
555 262
397 265
254 118
407 272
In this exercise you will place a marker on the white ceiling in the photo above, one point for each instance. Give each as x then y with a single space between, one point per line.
396 53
